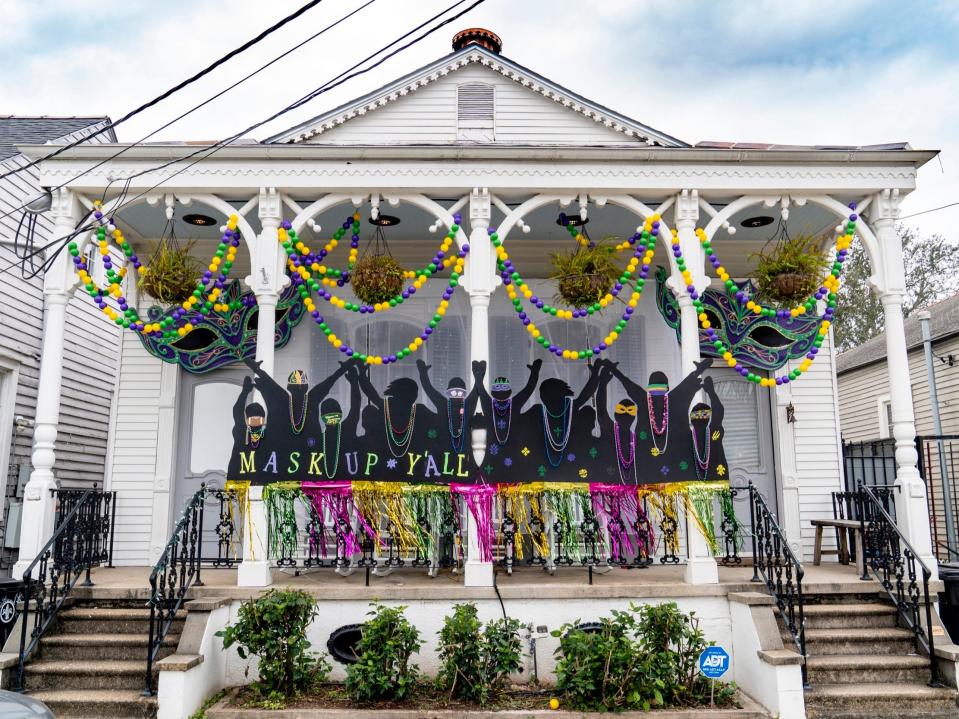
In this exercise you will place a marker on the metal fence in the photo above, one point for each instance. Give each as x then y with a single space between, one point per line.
873 464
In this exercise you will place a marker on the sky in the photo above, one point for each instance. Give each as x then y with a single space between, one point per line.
848 72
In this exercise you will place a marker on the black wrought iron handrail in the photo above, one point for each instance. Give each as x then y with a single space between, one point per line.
888 553
82 539
775 564
175 572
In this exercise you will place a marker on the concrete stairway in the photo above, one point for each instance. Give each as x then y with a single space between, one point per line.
862 665
93 663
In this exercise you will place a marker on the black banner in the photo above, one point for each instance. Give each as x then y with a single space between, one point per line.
416 433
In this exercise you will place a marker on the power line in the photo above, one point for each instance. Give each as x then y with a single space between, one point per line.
194 108
338 80
925 212
176 88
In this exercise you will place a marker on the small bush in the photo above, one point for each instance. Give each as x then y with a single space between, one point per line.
791 270
172 273
377 278
384 670
273 627
477 661
644 657
586 274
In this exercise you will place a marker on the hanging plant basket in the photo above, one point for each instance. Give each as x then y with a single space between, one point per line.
172 273
791 269
377 278
584 275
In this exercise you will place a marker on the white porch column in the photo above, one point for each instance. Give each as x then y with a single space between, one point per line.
267 280
912 509
701 567
36 525
480 282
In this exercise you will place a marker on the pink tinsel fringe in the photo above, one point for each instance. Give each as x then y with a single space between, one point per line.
337 499
479 500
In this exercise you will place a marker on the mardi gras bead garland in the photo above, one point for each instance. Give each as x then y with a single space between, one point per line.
827 291
178 324
301 262
306 285
304 257
646 243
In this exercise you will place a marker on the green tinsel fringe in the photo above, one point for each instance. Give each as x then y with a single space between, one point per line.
280 502
730 520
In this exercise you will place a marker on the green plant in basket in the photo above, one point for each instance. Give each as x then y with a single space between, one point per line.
377 278
383 671
172 273
791 270
273 627
584 275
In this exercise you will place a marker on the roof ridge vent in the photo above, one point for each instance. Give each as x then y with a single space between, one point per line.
478 36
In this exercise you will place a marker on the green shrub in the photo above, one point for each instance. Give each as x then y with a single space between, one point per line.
791 270
477 661
644 657
384 670
273 627
584 275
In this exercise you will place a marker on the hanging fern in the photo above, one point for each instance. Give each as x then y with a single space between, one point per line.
586 274
172 274
791 270
377 278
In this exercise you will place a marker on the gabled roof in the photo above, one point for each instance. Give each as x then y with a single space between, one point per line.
475 54
943 322
34 130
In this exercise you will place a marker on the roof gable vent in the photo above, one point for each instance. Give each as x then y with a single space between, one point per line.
475 106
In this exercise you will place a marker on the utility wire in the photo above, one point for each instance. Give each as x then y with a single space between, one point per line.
925 212
211 150
192 109
176 88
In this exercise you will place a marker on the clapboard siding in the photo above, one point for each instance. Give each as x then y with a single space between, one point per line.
134 450
429 116
816 437
90 349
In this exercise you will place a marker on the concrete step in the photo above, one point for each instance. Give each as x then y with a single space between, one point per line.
46 675
67 647
880 701
98 703
94 620
877 640
867 668
838 616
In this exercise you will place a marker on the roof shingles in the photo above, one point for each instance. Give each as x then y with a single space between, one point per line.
18 130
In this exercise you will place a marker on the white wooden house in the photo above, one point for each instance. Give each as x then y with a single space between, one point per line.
477 135
90 349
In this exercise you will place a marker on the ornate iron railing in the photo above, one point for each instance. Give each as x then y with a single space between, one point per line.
775 564
897 568
82 539
178 568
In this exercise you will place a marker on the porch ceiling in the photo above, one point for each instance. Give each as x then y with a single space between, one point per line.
412 243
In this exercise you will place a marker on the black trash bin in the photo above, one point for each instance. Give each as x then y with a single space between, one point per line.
949 599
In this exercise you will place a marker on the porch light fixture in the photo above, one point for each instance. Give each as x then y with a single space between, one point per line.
757 221
565 220
199 220
384 221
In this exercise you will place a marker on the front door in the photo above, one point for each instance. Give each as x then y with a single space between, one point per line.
747 438
205 441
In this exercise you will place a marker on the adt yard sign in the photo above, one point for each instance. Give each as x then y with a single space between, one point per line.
714 662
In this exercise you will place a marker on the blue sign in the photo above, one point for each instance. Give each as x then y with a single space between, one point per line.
713 662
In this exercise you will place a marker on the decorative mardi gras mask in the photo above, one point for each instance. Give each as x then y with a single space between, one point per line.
456 393
629 409
331 419
500 384
219 339
705 413
755 340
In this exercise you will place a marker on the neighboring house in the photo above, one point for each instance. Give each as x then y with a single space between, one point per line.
865 409
90 351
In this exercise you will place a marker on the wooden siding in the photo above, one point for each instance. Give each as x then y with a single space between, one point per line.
816 435
134 450
90 352
429 116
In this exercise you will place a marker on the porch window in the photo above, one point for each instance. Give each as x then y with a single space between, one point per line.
885 417
475 102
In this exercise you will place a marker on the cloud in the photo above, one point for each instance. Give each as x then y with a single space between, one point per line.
812 72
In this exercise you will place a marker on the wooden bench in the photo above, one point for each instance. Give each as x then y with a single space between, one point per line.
846 528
